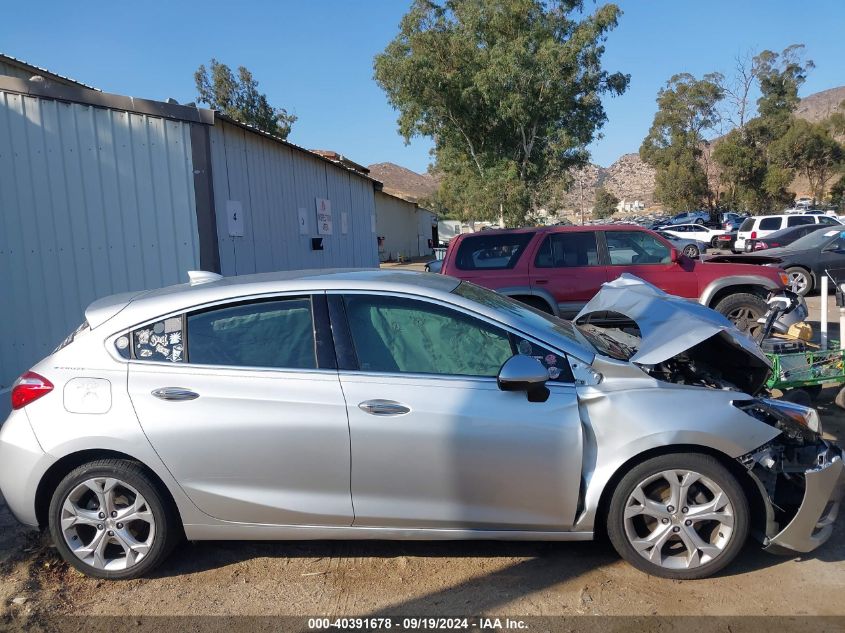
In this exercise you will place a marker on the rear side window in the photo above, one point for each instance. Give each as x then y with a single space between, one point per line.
747 224
568 250
495 251
278 333
770 224
800 220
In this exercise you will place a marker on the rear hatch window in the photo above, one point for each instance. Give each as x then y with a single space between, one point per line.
746 224
493 251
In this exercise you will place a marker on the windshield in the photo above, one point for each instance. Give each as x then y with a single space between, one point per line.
815 239
612 342
534 318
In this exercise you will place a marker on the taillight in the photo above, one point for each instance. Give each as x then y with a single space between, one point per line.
28 388
759 246
753 235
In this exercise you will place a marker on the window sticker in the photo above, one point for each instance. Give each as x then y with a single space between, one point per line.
162 341
556 366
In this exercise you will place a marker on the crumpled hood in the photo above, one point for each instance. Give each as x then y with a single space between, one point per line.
670 325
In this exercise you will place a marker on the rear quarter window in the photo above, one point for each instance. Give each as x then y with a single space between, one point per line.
494 251
770 224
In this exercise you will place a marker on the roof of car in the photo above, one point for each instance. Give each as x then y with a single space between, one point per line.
160 300
554 229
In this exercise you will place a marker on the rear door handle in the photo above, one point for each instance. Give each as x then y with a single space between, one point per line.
175 394
384 407
541 281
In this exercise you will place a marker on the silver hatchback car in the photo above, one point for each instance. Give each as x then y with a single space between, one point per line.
385 405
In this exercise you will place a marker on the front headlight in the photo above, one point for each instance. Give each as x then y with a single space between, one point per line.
806 416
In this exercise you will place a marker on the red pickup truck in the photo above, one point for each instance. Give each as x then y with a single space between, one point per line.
559 268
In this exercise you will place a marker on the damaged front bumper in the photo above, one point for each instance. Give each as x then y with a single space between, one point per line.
802 502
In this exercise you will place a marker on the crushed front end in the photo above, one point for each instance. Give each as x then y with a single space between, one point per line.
801 477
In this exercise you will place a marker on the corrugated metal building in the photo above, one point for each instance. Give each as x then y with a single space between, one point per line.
103 193
404 228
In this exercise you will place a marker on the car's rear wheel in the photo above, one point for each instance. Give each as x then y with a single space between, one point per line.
109 520
682 516
691 251
743 309
800 280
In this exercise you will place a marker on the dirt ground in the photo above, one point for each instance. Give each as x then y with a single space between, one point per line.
408 578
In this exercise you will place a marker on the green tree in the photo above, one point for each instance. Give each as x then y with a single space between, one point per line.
753 179
686 108
238 98
509 90
809 149
605 205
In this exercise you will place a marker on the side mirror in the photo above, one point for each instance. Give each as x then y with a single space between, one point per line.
674 255
524 373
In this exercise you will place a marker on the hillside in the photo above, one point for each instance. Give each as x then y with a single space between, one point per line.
630 179
402 182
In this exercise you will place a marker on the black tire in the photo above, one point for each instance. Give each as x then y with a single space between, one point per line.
798 396
743 309
802 278
691 251
814 390
714 243
167 530
705 465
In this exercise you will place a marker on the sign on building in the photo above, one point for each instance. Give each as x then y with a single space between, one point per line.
324 216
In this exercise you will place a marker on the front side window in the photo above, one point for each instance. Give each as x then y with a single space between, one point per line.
568 250
277 333
397 335
493 251
626 248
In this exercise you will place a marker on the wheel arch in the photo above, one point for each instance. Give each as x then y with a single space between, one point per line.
520 292
60 469
712 298
756 502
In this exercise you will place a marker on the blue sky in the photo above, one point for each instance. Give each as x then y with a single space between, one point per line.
315 58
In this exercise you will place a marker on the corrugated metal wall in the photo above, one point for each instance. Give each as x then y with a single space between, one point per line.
92 202
405 227
272 181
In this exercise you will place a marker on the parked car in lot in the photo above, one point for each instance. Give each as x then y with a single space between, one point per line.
698 232
761 226
390 405
692 248
804 261
730 221
559 269
727 241
690 217
784 237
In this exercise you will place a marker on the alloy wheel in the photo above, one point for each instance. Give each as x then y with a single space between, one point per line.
798 282
745 319
691 251
678 519
107 524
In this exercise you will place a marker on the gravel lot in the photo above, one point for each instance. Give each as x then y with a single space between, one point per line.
401 578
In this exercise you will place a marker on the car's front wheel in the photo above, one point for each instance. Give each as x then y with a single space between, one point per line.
743 310
682 516
109 520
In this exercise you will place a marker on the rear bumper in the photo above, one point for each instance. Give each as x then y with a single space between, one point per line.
812 525
22 464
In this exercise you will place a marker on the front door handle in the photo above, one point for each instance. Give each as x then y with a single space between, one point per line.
175 394
384 407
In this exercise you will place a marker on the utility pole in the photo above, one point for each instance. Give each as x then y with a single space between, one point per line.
581 194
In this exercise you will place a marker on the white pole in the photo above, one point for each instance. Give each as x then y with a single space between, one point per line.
824 313
842 323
